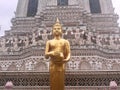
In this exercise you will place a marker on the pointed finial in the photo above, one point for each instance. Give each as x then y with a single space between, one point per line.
57 21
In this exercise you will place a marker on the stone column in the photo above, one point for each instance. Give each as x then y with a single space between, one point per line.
22 7
106 6
86 5
18 7
52 3
103 7
81 2
110 6
73 2
41 6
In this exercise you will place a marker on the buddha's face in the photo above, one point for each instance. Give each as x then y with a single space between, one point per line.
57 30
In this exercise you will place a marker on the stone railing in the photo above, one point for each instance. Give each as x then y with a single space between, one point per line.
72 78
66 88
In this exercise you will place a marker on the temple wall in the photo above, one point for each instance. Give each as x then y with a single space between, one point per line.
106 6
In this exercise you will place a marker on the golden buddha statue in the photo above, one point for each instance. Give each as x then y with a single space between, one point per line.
58 49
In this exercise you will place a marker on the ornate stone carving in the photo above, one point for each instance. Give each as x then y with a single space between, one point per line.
94 40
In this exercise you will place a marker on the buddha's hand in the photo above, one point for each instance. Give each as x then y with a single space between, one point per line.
58 54
51 53
55 54
65 60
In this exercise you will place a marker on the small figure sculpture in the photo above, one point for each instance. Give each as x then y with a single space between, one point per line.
58 50
113 85
9 85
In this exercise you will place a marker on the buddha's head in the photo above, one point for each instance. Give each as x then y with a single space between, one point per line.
57 28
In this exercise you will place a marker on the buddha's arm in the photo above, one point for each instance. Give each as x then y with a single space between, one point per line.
68 52
48 53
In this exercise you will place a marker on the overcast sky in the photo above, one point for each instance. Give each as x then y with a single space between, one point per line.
7 10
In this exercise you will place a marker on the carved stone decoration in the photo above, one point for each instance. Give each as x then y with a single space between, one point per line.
30 65
19 65
5 65
94 40
85 65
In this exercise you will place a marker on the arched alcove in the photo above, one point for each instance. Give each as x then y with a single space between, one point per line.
41 66
84 66
12 67
104 66
115 67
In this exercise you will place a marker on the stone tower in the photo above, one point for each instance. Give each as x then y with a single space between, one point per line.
90 26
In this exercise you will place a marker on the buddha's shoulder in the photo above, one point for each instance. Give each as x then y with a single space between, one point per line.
64 40
49 41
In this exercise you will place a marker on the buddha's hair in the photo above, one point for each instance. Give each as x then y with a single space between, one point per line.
57 23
